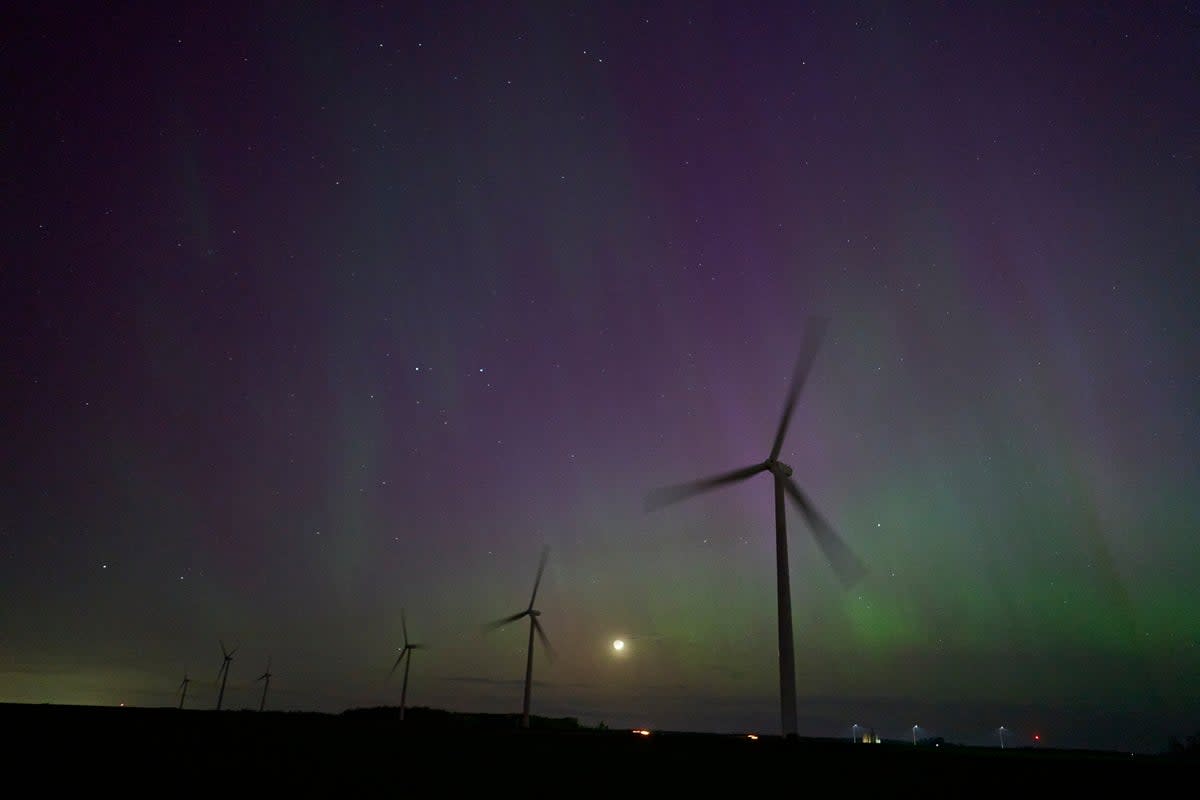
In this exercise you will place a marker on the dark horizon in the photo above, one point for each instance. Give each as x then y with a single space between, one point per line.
427 720
275 750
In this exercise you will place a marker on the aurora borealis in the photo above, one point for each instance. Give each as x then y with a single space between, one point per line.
313 313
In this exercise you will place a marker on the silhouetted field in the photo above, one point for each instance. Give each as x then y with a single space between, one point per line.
372 750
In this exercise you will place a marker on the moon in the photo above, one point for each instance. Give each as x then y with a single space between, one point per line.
618 645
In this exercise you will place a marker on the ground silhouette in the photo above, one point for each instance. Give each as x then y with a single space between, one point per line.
371 749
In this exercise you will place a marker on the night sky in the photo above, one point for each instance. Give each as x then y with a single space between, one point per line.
314 313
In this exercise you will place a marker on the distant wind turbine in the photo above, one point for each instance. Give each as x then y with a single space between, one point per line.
183 688
223 674
404 651
534 626
266 678
845 563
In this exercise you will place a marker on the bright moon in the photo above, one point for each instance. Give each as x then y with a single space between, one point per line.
618 644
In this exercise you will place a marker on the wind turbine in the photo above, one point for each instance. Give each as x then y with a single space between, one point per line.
223 674
847 566
404 651
534 626
266 677
183 688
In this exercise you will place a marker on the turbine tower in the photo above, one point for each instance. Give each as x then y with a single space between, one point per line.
183 688
534 626
266 678
847 566
404 651
223 674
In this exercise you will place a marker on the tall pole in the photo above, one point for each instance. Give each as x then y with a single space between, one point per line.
183 693
787 663
404 685
528 675
266 682
224 677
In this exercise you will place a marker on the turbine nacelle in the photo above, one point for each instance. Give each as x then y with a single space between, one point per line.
776 467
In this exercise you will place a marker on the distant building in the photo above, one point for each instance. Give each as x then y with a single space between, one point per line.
869 737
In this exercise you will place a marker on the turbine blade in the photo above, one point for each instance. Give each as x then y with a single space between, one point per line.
224 652
502 622
808 352
537 626
399 658
673 494
404 626
538 579
847 565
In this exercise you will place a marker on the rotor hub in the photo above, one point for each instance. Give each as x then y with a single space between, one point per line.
779 468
